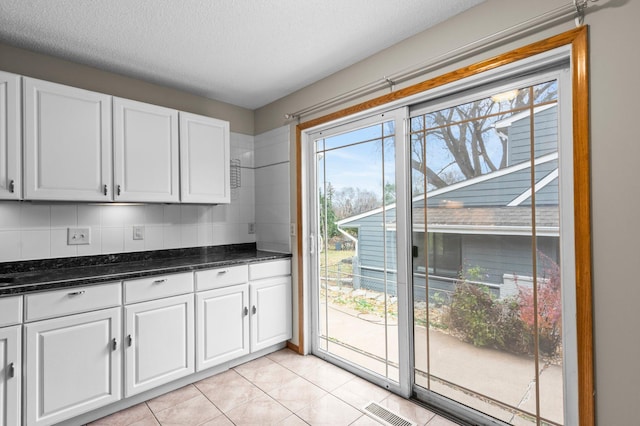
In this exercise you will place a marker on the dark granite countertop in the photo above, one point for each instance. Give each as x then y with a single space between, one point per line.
48 274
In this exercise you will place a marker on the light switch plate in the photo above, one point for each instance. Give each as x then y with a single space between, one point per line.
138 232
78 236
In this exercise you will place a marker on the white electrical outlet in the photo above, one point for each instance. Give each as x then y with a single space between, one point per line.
78 236
138 232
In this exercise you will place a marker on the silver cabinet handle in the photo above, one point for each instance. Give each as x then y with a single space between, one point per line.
129 340
223 271
12 186
76 293
160 281
254 310
104 190
118 190
114 344
246 311
12 371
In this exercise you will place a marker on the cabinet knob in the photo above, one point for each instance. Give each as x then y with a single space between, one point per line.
254 310
114 344
129 340
246 311
12 186
12 371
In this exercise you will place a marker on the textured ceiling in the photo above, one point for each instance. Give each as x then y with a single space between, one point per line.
244 52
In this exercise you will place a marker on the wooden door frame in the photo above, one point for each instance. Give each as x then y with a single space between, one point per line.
577 39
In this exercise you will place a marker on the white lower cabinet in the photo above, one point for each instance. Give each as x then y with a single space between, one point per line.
223 325
73 365
270 312
159 342
237 316
10 375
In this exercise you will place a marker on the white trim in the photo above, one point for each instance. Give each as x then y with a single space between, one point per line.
538 186
543 231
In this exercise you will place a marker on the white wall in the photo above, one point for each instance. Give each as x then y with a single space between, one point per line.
272 167
39 230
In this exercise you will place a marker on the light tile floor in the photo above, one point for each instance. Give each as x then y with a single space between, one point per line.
282 388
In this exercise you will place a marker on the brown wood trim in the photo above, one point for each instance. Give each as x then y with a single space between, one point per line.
294 347
578 40
582 214
450 77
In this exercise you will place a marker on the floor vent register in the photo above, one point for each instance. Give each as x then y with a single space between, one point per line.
384 416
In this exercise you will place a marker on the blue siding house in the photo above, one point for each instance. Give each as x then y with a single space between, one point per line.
479 229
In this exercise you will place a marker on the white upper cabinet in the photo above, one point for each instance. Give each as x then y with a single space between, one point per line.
67 143
204 159
10 137
145 152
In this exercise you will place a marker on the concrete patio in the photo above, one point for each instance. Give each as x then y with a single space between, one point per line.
498 375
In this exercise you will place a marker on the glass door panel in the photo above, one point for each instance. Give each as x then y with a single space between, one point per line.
356 289
485 222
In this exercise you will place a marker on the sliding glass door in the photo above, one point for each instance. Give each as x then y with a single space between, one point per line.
357 286
442 261
487 236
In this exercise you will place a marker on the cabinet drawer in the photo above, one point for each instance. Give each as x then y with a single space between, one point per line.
10 310
276 268
72 301
157 287
221 277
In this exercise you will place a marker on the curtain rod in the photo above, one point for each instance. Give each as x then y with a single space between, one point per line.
574 10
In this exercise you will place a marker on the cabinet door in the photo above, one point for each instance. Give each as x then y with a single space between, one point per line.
204 159
223 325
145 152
159 342
67 143
10 137
270 312
73 365
10 375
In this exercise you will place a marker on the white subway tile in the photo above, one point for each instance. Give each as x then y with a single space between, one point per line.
113 216
171 236
64 216
10 246
172 214
188 235
188 214
154 214
9 215
36 244
153 237
35 216
133 215
112 240
95 247
59 246
205 234
89 215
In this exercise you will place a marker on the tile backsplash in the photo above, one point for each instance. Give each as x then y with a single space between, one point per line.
34 230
